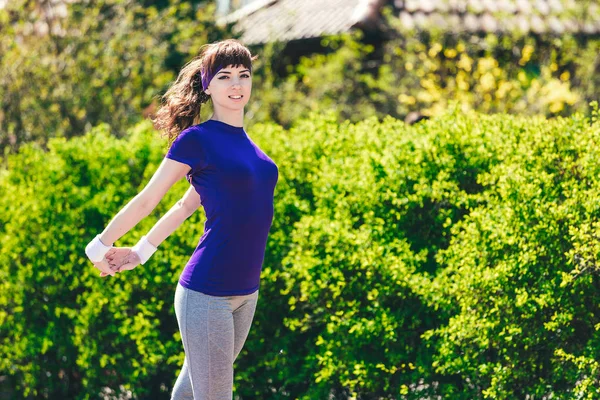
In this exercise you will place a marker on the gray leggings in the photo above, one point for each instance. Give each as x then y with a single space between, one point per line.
213 331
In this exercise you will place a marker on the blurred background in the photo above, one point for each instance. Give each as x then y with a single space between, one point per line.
69 65
435 231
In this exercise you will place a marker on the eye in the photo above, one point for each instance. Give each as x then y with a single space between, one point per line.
245 76
223 77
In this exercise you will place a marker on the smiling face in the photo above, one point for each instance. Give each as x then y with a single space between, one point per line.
230 88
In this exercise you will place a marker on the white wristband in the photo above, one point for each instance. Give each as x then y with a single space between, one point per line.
144 249
95 250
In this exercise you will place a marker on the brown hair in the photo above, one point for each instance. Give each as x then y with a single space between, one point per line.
183 100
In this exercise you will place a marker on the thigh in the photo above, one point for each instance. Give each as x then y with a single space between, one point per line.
242 320
206 326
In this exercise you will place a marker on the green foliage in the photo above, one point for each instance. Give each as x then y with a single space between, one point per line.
67 333
474 224
104 61
425 72
332 81
457 257
108 61
519 277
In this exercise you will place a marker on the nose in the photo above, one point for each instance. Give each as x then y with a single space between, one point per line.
235 83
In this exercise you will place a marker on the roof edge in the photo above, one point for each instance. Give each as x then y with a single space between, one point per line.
366 13
244 11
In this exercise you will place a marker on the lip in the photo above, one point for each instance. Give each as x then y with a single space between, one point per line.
236 100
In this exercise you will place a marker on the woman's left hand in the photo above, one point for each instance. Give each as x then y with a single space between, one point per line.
123 258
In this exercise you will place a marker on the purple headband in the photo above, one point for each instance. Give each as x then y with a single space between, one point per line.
207 77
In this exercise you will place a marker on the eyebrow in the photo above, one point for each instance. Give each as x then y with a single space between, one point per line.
227 72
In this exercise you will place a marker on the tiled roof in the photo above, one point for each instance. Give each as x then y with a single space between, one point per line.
539 16
285 20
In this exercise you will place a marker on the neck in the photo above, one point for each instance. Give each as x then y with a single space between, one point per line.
235 118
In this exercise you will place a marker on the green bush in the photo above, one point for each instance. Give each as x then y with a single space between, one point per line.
455 258
65 332
425 71
520 276
107 61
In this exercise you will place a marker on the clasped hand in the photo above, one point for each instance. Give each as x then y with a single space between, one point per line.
118 259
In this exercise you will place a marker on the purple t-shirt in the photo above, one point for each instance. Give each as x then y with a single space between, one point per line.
235 180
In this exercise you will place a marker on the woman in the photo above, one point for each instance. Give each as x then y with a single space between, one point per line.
234 181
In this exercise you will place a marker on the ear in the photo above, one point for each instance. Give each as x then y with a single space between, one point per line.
207 91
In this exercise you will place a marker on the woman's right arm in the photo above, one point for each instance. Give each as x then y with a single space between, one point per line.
167 174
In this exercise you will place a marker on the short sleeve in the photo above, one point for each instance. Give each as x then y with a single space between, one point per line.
186 148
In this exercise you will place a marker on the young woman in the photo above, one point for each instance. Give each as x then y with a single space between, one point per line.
234 181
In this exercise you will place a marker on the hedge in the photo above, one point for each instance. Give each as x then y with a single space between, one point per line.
455 258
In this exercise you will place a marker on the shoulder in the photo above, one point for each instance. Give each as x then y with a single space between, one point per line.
190 135
190 131
200 131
